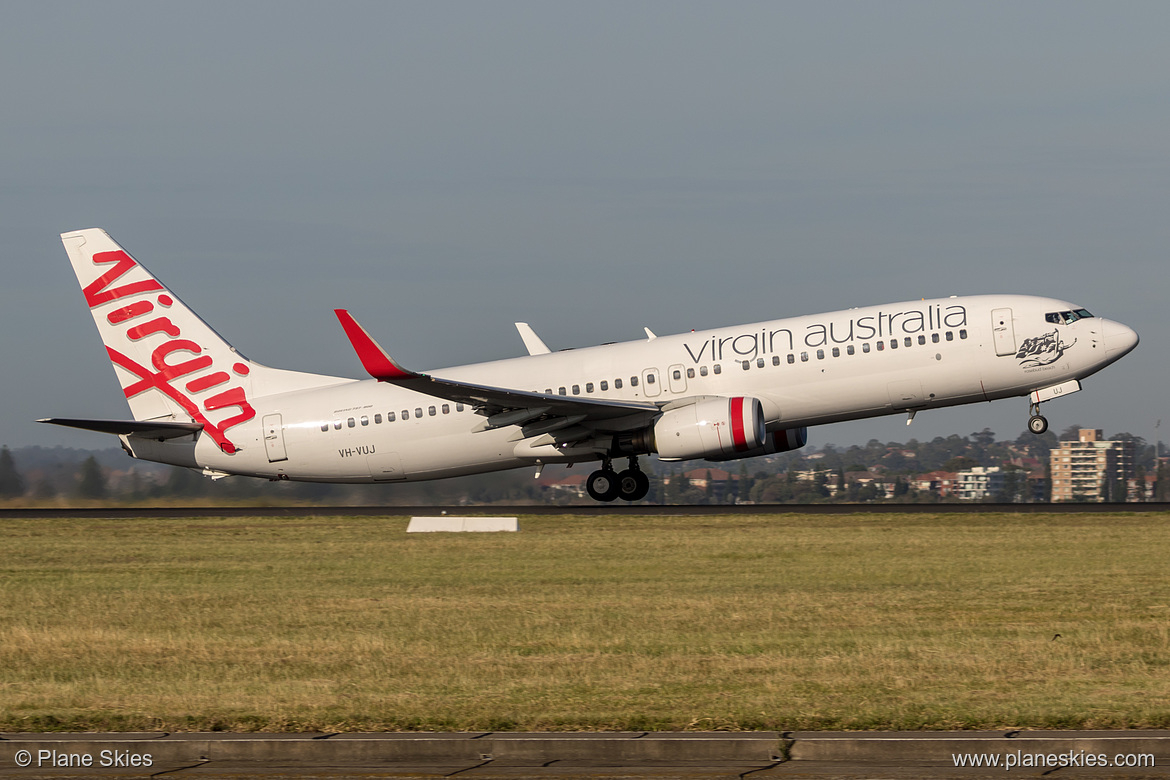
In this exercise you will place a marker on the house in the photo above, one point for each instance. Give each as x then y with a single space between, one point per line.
940 483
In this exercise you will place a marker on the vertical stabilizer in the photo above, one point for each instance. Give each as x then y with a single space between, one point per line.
170 364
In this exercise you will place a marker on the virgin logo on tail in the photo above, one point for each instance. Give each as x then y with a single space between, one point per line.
168 367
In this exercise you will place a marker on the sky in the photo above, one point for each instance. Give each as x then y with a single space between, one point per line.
446 169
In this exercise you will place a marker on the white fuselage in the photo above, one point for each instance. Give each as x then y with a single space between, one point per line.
805 371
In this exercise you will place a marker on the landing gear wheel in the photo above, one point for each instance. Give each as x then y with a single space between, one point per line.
1037 424
633 485
602 485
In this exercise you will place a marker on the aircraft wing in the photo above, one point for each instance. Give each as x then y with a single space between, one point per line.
503 406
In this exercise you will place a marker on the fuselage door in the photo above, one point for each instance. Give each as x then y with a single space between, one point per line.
677 378
1003 331
651 382
274 438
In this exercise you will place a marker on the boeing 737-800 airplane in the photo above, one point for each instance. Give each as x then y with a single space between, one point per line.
720 394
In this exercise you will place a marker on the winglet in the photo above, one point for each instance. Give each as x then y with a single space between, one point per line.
531 341
374 359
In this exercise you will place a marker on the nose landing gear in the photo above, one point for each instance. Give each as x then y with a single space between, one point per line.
607 485
1037 423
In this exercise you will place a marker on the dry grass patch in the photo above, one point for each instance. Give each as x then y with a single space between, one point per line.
780 622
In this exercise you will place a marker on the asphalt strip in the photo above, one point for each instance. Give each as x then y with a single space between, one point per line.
967 754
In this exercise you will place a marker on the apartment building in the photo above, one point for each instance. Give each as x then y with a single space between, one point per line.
1092 468
979 483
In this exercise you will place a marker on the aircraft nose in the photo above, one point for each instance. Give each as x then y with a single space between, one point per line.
1119 339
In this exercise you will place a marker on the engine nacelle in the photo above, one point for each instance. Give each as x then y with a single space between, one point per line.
715 428
777 441
786 440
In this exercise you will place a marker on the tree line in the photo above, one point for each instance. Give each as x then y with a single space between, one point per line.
33 475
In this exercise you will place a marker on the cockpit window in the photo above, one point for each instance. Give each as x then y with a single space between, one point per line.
1067 317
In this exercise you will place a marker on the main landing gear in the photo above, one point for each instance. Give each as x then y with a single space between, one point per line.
1037 423
607 485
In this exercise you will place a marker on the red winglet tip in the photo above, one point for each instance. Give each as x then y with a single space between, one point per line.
374 359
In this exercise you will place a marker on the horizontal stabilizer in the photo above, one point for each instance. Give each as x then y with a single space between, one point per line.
145 428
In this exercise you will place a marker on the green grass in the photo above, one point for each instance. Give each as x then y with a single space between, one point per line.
781 622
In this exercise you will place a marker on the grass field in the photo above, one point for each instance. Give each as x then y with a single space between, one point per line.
781 622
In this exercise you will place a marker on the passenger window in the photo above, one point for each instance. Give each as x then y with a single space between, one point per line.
791 358
431 411
690 373
934 337
950 336
633 381
820 354
893 343
775 360
747 364
588 387
717 369
390 417
561 391
880 346
649 379
325 427
459 407
909 341
759 362
677 374
803 357
963 333
352 423
922 339
865 347
576 389
337 425
702 371
849 350
617 384
378 419
604 385
365 419
836 352
405 414
446 408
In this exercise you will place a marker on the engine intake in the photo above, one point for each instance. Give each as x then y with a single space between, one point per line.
717 428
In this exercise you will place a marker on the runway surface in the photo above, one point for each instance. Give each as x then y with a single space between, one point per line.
585 511
590 755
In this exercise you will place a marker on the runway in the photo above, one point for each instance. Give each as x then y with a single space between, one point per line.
1125 754
632 510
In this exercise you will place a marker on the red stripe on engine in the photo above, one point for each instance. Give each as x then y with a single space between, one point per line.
738 436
